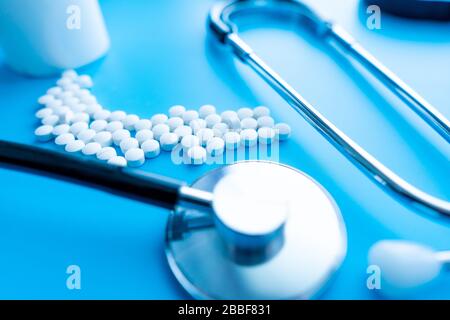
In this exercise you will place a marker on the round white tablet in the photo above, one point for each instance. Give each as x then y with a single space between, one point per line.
104 138
118 161
79 107
212 120
168 141
88 99
249 137
144 135
120 135
174 123
69 73
142 124
282 131
98 125
53 104
91 149
82 93
61 111
46 98
74 146
220 129
159 118
183 131
265 121
228 114
135 157
65 95
72 87
114 126
204 135
232 140
189 141
68 117
64 139
118 115
77 127
62 82
232 122
50 120
215 146
86 135
92 108
54 91
206 110
261 111
128 143
189 115
80 117
129 121
44 112
197 155
159 130
249 123
266 135
71 101
106 153
197 124
102 114
177 111
44 133
60 129
245 113
84 81
151 148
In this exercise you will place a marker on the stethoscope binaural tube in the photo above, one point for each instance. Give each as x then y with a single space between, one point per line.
222 26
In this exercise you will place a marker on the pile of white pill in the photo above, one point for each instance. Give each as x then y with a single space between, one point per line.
71 115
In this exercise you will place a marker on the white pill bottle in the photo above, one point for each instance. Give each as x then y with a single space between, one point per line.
42 37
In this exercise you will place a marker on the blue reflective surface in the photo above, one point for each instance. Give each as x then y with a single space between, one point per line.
161 56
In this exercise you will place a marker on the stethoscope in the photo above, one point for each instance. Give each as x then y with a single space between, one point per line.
254 229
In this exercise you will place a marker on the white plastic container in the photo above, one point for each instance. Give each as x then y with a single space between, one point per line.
42 37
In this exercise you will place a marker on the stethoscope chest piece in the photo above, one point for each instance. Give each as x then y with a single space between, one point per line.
275 234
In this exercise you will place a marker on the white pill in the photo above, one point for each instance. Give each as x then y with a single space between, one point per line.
65 95
265 121
104 138
86 135
159 130
197 155
129 121
46 98
143 124
245 113
71 101
69 73
233 122
91 149
212 120
60 129
282 131
158 119
261 111
77 127
63 82
144 135
118 115
44 112
74 146
168 141
174 123
72 87
92 108
54 91
249 137
79 107
64 139
215 146
190 115
118 161
61 111
128 143
177 111
206 110
220 129
102 114
183 131
50 120
98 125
54 104
114 126
120 135
189 141
84 81
232 140
88 99
228 114
80 117
266 135
106 153
68 117
249 123
44 133
197 124
135 157
151 148
204 135
82 93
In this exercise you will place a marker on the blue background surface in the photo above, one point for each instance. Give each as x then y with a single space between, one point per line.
161 56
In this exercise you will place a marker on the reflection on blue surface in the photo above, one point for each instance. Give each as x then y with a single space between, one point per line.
161 56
